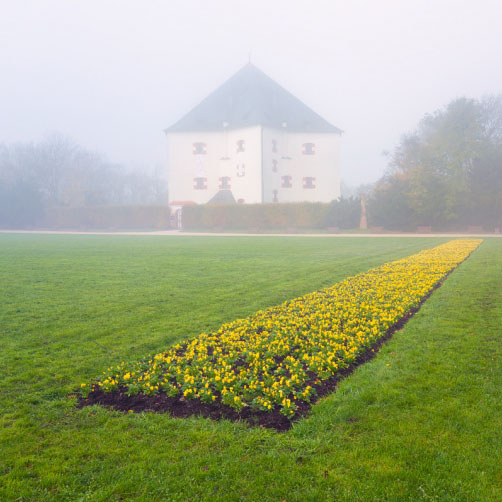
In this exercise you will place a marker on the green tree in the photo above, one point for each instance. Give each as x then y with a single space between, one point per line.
388 204
484 204
439 174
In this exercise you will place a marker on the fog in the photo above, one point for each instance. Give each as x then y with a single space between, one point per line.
113 74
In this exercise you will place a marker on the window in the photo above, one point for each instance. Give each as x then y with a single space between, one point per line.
200 183
308 182
240 145
241 170
274 166
274 146
224 183
275 198
308 149
286 181
199 149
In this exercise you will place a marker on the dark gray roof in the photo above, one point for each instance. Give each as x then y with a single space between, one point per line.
252 98
222 197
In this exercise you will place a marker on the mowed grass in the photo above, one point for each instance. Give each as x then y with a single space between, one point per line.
421 421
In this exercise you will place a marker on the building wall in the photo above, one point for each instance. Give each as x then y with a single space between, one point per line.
293 157
218 158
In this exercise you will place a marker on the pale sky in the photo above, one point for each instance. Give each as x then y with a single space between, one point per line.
112 74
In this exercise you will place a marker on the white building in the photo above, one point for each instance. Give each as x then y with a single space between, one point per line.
252 141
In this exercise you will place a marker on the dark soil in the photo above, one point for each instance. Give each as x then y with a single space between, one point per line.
182 408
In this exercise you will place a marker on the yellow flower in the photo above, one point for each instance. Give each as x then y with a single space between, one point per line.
267 358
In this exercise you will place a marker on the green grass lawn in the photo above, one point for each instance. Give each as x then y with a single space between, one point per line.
421 421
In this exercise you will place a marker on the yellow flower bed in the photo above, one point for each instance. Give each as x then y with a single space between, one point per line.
272 359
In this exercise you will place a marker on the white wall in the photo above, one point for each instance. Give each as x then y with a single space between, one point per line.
323 165
221 159
271 179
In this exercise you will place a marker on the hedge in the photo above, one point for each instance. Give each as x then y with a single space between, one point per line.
256 216
108 217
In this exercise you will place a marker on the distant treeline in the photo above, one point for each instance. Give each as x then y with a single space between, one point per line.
57 173
446 175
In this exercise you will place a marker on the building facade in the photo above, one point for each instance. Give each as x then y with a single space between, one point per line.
254 140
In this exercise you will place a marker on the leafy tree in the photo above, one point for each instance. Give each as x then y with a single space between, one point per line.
438 174
388 205
484 203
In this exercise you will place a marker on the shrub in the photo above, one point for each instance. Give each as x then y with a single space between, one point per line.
344 213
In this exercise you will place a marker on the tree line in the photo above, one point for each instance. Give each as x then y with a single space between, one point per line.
58 172
446 174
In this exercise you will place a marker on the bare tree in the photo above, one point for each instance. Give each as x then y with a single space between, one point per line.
65 174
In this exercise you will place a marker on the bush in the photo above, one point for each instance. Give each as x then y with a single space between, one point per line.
344 213
388 207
